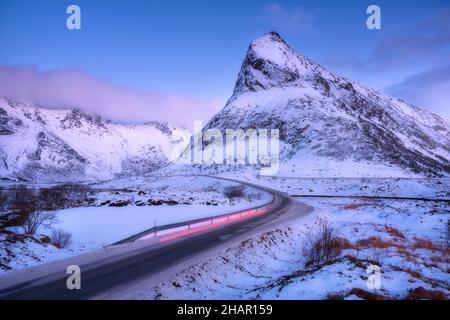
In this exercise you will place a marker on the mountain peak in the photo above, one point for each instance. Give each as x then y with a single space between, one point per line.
273 48
270 37
271 62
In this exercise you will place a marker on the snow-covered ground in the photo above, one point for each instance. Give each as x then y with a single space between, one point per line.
405 239
120 214
350 185
364 187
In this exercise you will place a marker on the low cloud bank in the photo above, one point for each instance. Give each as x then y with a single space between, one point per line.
73 89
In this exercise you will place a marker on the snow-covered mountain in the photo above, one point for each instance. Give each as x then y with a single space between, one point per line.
45 145
329 125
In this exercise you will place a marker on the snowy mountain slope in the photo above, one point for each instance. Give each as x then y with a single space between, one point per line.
39 144
329 125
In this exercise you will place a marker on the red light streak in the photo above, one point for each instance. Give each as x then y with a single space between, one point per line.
214 225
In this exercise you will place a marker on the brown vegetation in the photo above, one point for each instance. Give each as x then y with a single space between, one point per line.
367 295
323 245
394 232
421 293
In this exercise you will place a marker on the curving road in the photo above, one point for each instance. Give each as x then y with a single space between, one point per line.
125 265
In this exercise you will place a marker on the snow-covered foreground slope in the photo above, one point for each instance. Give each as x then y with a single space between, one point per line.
329 126
41 145
405 239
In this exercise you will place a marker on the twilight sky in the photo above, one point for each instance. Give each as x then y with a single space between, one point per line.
177 61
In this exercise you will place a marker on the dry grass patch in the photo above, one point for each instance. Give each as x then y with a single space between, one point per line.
439 259
376 242
367 295
421 243
355 206
335 296
421 293
394 232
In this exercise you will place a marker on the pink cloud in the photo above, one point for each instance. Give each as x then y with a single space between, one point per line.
73 89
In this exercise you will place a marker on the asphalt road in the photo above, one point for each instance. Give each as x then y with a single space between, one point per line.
107 274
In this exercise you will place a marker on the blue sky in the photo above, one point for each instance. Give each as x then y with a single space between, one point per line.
194 49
